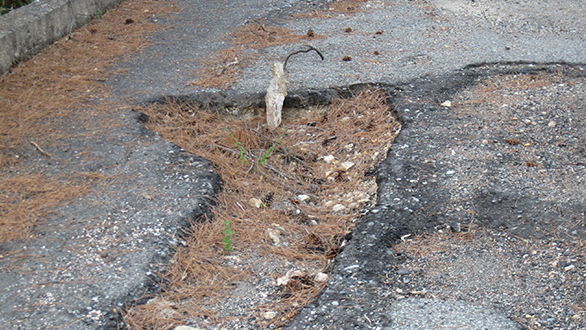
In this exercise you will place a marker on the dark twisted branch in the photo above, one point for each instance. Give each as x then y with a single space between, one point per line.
309 48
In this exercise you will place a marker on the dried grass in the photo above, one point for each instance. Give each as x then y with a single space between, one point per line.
40 95
24 199
68 75
359 129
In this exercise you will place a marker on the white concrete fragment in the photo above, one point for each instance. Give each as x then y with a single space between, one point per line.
255 202
347 165
338 207
276 95
269 315
283 280
320 277
303 198
274 235
329 159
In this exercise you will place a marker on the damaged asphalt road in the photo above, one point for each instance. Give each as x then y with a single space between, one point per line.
499 168
457 168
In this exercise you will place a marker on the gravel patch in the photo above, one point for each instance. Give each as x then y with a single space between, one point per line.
538 283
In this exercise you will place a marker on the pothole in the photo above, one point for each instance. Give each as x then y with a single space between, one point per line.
290 198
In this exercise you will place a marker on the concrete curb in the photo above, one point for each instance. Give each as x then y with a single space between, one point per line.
26 31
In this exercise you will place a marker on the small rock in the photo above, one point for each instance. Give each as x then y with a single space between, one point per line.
335 303
255 202
284 280
303 198
455 226
338 207
269 315
446 104
402 271
321 277
551 124
345 166
275 235
329 159
278 226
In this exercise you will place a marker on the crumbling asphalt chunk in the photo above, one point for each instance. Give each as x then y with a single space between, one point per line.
106 248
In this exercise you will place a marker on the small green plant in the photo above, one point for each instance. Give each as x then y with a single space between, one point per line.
228 235
264 158
8 5
241 150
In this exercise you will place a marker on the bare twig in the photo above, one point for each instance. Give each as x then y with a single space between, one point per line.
224 148
309 48
41 150
228 65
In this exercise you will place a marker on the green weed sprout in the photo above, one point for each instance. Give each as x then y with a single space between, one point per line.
228 235
241 149
264 158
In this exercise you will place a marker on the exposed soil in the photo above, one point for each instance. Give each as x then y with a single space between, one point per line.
291 196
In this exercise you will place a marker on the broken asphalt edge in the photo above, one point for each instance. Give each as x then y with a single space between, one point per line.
383 225
442 87
26 31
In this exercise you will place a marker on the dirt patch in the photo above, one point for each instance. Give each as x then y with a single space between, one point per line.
291 196
38 97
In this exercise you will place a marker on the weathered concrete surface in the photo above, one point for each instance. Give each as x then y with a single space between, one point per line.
27 30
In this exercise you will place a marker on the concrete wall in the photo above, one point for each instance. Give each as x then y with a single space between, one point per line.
27 30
